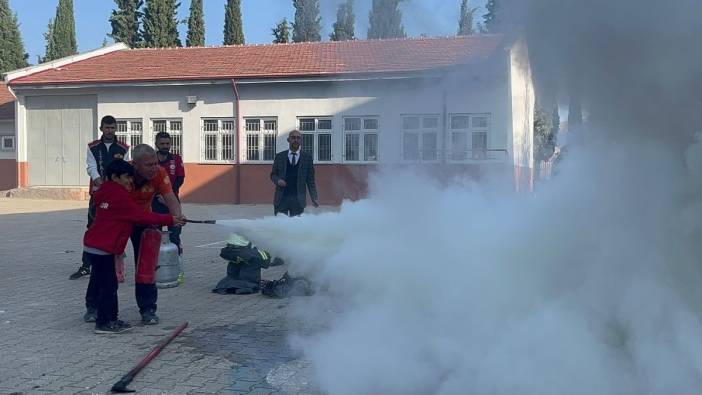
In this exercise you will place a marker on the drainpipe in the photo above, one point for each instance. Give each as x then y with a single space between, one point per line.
237 158
444 129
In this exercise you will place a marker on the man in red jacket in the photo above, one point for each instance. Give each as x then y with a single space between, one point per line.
116 212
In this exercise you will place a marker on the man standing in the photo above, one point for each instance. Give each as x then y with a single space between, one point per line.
149 179
173 165
100 154
293 174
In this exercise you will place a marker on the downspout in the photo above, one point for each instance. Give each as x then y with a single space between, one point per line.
444 129
237 158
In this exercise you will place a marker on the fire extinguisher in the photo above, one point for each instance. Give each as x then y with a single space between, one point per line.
148 256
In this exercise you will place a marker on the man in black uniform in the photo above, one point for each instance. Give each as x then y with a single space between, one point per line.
100 154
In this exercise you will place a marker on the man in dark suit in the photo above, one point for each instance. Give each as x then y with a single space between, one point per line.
293 174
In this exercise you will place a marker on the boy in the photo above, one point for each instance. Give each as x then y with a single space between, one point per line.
116 212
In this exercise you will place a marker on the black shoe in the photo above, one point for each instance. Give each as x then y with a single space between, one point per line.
90 315
149 318
113 327
82 271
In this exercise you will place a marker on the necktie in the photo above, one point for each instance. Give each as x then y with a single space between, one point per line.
292 161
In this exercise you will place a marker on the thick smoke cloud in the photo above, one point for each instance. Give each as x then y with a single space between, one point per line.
590 285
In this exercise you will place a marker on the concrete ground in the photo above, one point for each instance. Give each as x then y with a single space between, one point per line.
233 344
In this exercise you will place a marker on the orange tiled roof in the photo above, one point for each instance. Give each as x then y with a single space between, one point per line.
7 103
271 60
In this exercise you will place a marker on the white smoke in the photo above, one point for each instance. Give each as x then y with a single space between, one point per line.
590 285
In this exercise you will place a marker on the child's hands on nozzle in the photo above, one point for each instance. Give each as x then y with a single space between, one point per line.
179 220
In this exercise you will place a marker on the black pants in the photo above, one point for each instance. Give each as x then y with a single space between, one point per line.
102 288
91 218
174 234
146 294
290 206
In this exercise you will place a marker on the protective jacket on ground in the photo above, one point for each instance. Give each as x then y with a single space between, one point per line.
244 268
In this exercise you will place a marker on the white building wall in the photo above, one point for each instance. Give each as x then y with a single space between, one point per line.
523 102
475 92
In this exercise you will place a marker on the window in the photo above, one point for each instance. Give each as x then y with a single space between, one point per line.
130 132
218 140
260 138
8 143
316 137
420 136
469 136
174 128
361 139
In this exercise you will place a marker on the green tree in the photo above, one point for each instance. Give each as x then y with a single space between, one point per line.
544 135
12 55
490 19
281 32
307 23
161 24
465 20
385 20
125 22
196 25
345 21
233 26
61 34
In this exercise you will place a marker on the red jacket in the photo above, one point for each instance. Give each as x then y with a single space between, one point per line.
115 213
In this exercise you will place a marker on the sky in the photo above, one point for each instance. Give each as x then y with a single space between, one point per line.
430 17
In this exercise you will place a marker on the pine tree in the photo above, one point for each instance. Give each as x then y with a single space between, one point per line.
233 27
490 18
345 21
12 55
61 34
161 24
281 32
307 23
196 25
465 21
385 20
125 22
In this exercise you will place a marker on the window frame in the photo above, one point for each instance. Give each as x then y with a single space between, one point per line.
362 133
316 133
421 132
130 132
472 154
177 146
219 134
262 133
11 138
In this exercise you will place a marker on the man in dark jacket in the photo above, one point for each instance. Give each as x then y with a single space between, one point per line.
293 175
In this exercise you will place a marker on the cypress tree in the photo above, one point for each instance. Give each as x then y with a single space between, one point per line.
125 22
385 20
281 32
12 55
307 23
490 20
345 21
465 21
233 27
61 34
196 25
161 24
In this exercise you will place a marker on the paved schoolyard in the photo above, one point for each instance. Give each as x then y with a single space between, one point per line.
233 344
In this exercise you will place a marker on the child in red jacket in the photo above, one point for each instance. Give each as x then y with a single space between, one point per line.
116 212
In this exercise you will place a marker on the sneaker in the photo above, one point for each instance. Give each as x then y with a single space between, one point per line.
82 271
90 315
149 318
112 327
